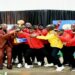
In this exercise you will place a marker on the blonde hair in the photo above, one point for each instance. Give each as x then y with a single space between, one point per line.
20 22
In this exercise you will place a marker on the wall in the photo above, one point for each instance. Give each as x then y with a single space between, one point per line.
18 5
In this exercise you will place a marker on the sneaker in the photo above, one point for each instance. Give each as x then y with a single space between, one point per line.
49 65
60 68
39 63
19 65
1 67
27 66
31 66
56 66
73 69
4 64
9 66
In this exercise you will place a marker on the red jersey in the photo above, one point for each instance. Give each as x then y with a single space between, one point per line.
32 42
66 37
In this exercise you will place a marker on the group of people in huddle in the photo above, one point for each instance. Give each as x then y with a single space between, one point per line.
57 46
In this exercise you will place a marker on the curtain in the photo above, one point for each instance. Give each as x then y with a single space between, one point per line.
36 17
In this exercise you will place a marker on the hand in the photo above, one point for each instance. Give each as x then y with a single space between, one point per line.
73 32
33 35
64 43
11 32
17 30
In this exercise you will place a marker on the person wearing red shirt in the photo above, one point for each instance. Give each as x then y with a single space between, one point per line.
72 48
25 46
65 36
68 38
48 49
35 44
18 48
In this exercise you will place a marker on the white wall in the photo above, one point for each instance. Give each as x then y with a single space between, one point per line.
16 5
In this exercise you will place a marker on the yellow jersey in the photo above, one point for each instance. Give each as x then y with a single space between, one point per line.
53 39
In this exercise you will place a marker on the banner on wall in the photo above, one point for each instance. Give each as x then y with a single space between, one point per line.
64 23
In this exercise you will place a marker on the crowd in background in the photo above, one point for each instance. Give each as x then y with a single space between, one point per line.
57 46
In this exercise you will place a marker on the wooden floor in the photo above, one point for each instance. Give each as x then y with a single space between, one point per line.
36 71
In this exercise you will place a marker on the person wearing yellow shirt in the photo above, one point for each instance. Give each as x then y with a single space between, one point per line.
55 43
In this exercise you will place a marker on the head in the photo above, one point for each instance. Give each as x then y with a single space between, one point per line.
4 26
36 27
20 22
31 30
73 27
41 27
66 26
50 27
60 32
28 25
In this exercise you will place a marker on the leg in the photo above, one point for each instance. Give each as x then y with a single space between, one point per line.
9 57
14 53
65 54
28 55
19 47
72 59
41 56
48 51
1 58
28 63
25 48
56 57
